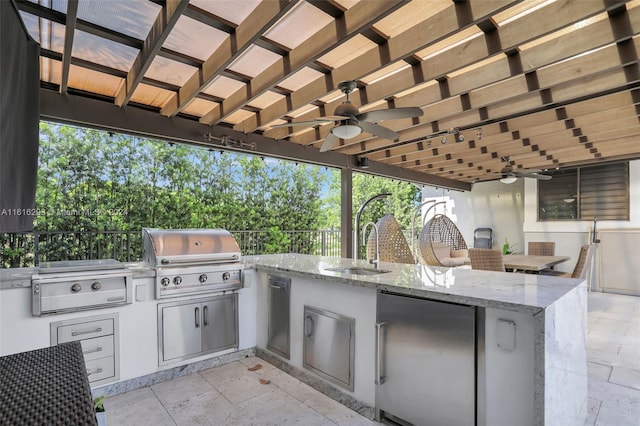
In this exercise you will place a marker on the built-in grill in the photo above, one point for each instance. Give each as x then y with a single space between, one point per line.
192 261
68 286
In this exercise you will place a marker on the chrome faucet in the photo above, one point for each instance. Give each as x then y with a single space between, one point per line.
375 261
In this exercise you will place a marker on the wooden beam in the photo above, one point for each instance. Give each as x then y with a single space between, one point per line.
164 23
87 112
251 29
360 16
69 31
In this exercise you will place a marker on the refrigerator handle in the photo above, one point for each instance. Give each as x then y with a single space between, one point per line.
379 378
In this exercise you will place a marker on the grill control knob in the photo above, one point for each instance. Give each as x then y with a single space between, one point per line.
165 281
177 280
203 278
96 285
226 276
76 288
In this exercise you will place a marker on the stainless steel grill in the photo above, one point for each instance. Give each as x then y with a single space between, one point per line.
69 286
192 261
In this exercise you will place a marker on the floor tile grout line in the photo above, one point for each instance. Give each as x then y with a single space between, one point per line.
163 406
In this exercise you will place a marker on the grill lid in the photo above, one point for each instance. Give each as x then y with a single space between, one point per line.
168 247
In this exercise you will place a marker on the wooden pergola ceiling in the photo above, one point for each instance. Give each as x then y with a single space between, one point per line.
551 84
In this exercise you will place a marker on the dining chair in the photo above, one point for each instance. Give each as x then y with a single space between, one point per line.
582 265
541 248
486 259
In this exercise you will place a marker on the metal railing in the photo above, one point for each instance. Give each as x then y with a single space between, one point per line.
32 248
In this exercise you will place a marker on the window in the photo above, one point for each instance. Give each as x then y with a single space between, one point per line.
585 193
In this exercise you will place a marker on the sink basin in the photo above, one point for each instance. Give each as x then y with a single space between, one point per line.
358 270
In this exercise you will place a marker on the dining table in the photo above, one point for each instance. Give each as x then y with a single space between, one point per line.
531 263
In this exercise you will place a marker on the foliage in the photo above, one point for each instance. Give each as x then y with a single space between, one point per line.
97 190
91 180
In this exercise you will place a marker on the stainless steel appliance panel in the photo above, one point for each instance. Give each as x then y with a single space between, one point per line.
195 327
279 293
219 324
425 361
181 332
328 346
61 292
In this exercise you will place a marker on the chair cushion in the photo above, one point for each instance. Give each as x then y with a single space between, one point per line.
454 261
441 250
460 253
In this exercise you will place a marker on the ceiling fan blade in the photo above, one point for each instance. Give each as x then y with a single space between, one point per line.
537 176
304 123
330 142
390 114
380 131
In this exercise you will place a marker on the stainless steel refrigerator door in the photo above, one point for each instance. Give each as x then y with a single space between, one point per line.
278 341
426 352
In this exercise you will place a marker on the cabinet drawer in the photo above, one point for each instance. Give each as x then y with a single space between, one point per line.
98 347
85 330
101 368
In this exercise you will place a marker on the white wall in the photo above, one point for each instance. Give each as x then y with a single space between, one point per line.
489 205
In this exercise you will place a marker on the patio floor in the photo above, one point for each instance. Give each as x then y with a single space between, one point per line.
233 395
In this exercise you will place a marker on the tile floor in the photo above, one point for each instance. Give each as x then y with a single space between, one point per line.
233 395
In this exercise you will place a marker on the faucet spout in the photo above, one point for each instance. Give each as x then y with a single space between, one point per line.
376 260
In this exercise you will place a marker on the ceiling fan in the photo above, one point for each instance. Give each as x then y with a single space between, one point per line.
510 174
350 122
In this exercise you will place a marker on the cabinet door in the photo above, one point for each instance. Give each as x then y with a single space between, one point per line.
181 330
278 339
329 345
220 323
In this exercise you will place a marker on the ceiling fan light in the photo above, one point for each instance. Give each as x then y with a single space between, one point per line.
346 131
508 179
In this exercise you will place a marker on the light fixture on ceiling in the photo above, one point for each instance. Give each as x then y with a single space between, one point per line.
346 131
508 179
443 140
363 163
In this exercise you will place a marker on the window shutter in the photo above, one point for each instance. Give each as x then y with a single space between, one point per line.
604 192
585 193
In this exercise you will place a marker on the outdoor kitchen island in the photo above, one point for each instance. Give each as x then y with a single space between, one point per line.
528 344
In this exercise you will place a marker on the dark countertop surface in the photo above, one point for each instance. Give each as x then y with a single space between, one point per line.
47 386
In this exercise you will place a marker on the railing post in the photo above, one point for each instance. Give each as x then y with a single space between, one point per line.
36 248
324 243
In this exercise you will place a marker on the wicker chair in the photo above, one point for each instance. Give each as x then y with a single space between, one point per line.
486 259
393 244
541 248
440 243
582 265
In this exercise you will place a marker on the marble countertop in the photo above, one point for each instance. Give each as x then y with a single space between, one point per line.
502 290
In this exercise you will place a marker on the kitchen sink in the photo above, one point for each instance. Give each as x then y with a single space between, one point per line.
358 270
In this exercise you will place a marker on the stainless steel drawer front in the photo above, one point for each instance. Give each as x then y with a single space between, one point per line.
88 330
99 347
101 368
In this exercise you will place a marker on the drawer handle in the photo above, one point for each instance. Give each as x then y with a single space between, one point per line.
115 299
276 287
96 349
205 315
81 332
197 317
96 371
